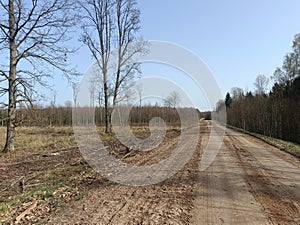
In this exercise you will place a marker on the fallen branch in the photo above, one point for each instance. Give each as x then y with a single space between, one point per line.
27 211
130 153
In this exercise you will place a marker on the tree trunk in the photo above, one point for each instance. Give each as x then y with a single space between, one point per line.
117 86
106 106
11 121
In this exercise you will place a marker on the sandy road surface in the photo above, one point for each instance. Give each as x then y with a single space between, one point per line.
249 182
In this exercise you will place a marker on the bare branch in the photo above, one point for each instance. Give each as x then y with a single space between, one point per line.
33 33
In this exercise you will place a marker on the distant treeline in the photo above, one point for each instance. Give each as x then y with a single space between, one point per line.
62 116
275 114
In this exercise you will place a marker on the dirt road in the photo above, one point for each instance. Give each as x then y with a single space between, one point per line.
250 182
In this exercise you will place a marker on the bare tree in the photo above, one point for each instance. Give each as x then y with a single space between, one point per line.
98 18
173 100
31 33
108 24
237 93
261 84
128 24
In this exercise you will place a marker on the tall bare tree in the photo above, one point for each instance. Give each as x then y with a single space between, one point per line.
31 37
97 35
128 24
110 24
261 84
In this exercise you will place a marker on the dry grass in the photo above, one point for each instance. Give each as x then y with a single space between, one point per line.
37 138
48 138
287 146
52 179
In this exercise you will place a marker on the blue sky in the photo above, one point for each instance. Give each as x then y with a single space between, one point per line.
236 39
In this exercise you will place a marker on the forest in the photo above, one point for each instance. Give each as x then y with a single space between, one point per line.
62 115
274 113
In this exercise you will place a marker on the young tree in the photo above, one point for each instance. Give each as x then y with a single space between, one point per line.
109 24
31 33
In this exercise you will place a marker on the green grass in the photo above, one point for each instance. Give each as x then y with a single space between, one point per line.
41 193
290 147
4 208
47 194
81 195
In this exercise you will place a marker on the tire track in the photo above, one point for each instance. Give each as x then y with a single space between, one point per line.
279 200
223 196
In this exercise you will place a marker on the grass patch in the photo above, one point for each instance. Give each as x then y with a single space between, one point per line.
37 138
53 195
4 208
290 147
43 193
81 195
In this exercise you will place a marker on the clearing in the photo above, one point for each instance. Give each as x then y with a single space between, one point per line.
250 182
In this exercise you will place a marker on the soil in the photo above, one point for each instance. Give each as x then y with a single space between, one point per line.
250 182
